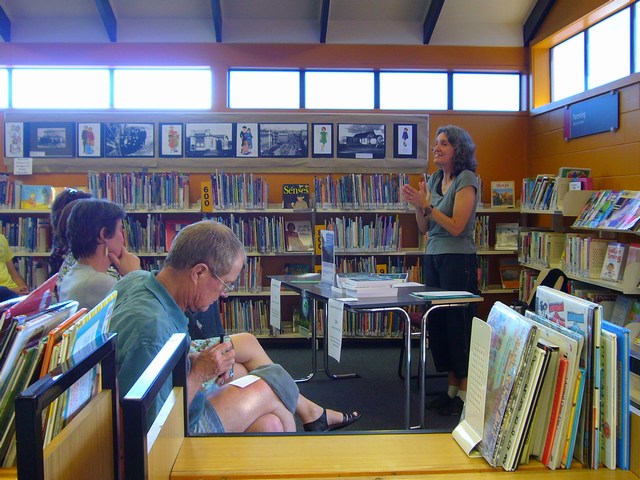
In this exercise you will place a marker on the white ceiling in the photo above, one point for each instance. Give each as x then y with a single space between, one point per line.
393 22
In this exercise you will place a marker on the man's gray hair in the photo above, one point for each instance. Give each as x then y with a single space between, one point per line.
208 242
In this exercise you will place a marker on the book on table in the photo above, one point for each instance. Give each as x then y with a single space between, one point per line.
444 294
365 279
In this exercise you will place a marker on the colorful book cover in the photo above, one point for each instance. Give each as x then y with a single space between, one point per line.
608 410
296 196
614 262
511 345
298 236
555 419
36 197
573 172
575 417
622 400
585 318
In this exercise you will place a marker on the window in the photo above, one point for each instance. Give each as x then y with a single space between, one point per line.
413 91
609 49
486 91
162 88
4 88
264 89
61 88
567 68
339 90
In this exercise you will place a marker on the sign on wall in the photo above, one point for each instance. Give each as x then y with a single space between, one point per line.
595 115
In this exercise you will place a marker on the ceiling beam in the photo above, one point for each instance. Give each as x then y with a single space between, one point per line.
216 13
108 19
433 13
5 26
324 20
536 17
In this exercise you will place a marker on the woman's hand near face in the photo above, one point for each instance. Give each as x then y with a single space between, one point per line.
126 262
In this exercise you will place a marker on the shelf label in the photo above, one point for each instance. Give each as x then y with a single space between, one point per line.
595 115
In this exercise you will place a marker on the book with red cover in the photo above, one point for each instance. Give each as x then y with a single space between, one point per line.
555 410
35 301
171 229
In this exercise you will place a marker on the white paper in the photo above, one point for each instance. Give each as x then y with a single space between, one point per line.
347 299
245 381
23 166
334 328
274 316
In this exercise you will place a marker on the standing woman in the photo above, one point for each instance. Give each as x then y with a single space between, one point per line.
445 209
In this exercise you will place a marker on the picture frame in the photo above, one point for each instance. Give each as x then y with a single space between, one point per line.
89 139
246 140
122 139
503 194
171 140
13 139
356 140
51 139
322 140
284 140
405 140
211 139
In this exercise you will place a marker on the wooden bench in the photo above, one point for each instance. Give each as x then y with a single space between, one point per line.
88 446
166 452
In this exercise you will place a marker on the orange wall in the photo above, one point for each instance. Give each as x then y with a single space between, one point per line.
501 138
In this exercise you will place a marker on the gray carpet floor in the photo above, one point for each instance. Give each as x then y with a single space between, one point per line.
378 394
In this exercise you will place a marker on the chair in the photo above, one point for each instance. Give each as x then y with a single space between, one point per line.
553 278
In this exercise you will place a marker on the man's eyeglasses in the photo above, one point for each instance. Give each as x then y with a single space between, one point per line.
227 288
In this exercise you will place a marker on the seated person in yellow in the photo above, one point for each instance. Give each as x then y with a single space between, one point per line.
11 282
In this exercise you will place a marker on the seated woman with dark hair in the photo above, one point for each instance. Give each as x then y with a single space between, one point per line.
95 233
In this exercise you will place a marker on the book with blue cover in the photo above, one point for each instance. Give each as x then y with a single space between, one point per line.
622 426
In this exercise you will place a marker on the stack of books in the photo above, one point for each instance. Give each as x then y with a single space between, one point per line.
369 284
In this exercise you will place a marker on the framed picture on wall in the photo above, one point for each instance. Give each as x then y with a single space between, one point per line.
322 135
89 139
405 140
51 139
357 140
13 139
246 139
209 140
171 140
284 140
128 140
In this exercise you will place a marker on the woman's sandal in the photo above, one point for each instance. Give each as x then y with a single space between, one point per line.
321 425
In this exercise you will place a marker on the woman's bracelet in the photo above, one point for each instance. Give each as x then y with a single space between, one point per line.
202 380
428 210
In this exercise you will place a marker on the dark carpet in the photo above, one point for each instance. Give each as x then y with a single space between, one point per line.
378 394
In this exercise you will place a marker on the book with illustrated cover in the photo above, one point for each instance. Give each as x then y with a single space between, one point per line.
573 172
585 318
296 196
36 197
614 262
507 236
574 419
503 194
298 236
171 229
555 419
569 346
512 343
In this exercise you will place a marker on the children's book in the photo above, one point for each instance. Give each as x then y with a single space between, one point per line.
622 400
608 410
37 300
555 419
503 194
573 172
567 457
507 236
36 197
570 347
296 196
585 318
512 345
298 236
171 229
614 262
